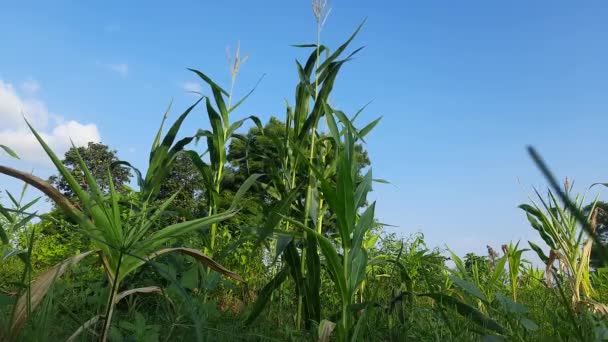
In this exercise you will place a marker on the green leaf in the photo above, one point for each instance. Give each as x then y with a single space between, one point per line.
510 306
209 81
341 49
498 271
466 310
357 272
190 278
243 189
334 264
539 252
363 189
529 324
9 151
365 223
218 95
312 300
140 179
179 229
239 102
237 124
265 294
469 288
282 242
365 130
277 213
159 133
10 252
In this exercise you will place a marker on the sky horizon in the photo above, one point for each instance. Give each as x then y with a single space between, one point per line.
462 87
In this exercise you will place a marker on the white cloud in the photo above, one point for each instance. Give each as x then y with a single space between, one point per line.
30 86
121 68
13 107
192 87
56 131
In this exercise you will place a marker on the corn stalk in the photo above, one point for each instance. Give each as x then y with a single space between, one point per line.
560 229
222 130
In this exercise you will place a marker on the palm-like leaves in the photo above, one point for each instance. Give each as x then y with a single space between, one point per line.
124 236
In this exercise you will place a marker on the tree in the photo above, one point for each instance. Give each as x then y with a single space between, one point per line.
185 180
477 264
98 158
258 152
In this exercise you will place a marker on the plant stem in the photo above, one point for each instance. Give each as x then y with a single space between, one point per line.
110 306
310 177
345 301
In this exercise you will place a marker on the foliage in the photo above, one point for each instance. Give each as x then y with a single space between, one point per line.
560 230
122 243
184 180
98 158
514 259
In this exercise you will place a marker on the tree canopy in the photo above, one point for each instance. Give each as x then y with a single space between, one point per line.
98 158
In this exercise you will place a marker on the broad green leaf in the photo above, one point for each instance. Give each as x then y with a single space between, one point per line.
529 324
510 306
357 271
365 223
498 271
467 310
334 264
469 288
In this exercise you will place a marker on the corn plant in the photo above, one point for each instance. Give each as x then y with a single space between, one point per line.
122 244
513 255
488 286
222 130
344 196
560 230
484 306
531 276
304 148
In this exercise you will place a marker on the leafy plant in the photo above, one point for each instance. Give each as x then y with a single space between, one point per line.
222 130
560 230
513 255
16 223
123 244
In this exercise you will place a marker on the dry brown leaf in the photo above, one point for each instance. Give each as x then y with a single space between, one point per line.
38 290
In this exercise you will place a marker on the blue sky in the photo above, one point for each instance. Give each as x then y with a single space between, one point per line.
463 87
